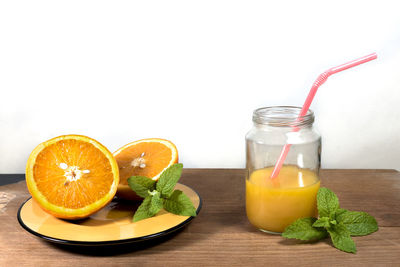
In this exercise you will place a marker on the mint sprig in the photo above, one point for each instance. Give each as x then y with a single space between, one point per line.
161 194
338 223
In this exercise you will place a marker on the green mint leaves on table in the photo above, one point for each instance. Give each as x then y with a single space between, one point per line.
161 194
339 223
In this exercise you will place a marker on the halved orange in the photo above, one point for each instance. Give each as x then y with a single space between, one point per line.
72 176
146 157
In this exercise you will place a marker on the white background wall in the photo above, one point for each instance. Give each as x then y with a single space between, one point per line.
193 72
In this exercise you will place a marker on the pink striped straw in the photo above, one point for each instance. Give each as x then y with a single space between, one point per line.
320 80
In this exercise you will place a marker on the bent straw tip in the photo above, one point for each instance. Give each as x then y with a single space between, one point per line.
373 55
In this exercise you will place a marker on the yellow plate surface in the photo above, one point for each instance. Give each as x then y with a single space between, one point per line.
111 225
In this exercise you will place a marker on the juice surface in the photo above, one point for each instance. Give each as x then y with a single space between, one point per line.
273 204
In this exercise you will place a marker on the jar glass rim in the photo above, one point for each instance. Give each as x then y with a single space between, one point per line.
282 116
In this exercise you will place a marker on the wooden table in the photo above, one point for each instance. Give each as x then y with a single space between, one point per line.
221 234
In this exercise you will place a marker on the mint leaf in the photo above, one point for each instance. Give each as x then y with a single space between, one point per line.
150 206
180 204
322 222
340 211
141 185
168 179
302 229
358 223
156 203
327 203
341 238
143 211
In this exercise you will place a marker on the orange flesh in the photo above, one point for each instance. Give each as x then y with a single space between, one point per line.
54 185
157 156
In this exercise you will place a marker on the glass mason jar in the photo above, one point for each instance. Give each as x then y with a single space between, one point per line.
274 203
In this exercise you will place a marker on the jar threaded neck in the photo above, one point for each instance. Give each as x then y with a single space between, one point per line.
282 116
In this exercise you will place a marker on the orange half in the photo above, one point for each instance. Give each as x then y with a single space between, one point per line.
146 157
72 176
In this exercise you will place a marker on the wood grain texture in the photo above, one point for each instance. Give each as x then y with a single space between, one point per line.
221 234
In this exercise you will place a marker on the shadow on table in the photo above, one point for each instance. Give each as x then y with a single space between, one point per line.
117 249
292 242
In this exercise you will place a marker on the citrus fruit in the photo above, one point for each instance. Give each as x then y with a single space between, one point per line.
72 176
146 157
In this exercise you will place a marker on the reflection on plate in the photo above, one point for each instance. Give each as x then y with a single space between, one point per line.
111 225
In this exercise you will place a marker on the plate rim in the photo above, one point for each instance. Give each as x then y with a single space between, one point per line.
109 242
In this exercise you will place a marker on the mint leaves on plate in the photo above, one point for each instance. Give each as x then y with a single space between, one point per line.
339 223
161 194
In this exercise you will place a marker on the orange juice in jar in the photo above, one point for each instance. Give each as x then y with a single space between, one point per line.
274 203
